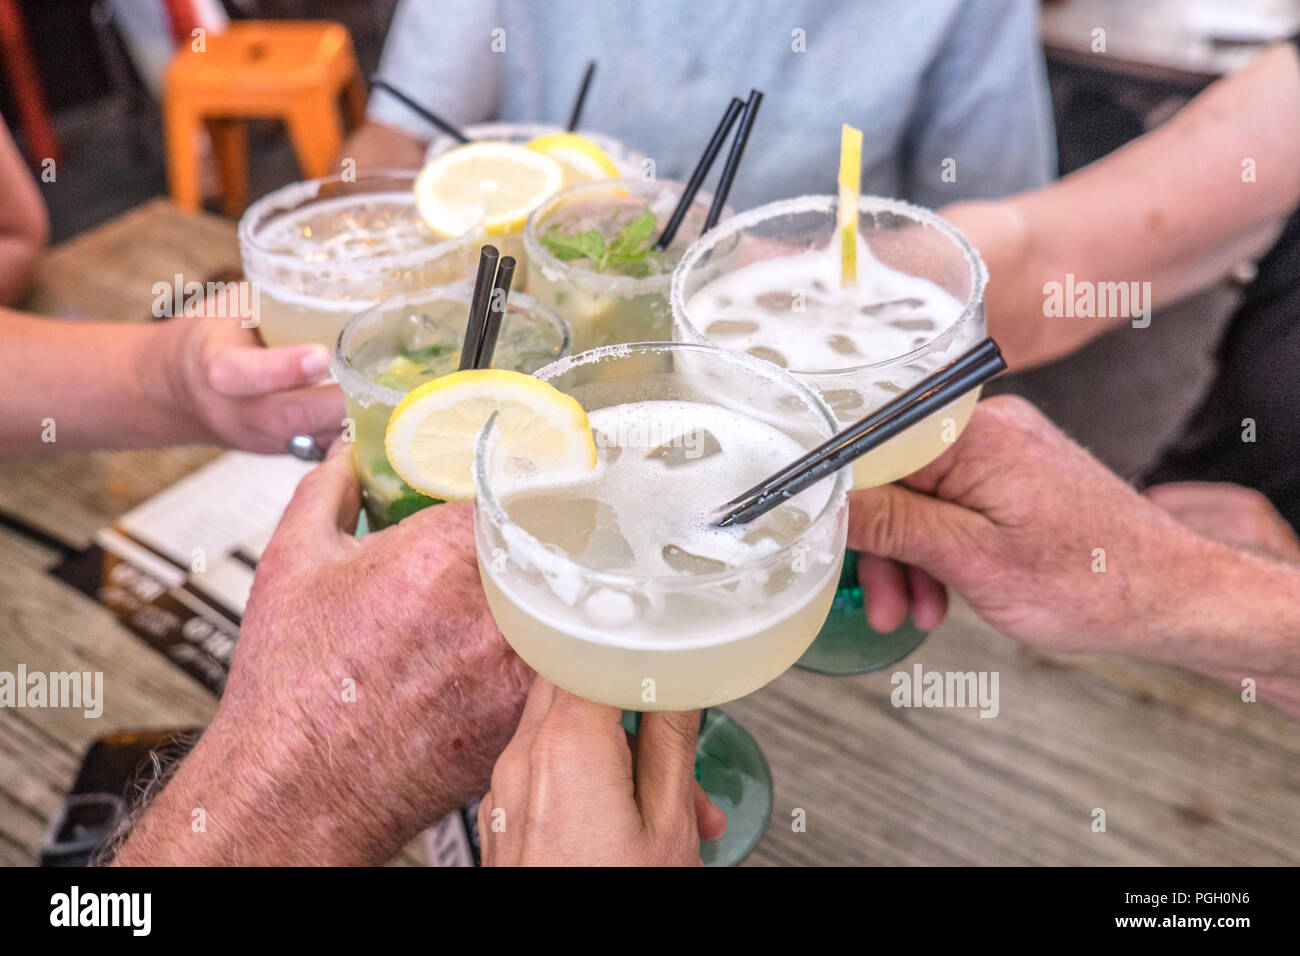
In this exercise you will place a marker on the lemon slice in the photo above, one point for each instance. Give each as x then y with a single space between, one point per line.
847 219
582 159
431 434
489 184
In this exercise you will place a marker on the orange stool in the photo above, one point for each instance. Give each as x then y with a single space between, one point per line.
294 71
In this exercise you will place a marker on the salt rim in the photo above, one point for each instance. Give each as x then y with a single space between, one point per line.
979 272
552 564
624 287
263 261
361 387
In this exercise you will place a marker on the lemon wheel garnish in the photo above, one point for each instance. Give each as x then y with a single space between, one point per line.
489 184
579 156
432 433
847 219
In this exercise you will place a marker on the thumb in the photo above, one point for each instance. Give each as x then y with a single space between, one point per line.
324 506
665 765
895 522
237 371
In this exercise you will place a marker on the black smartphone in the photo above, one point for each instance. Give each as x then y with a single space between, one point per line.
113 774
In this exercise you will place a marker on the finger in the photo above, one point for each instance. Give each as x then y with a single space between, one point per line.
665 769
913 528
884 592
709 819
929 599
239 371
486 838
325 504
299 411
536 707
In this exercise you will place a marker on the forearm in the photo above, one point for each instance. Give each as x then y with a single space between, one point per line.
1230 611
74 386
375 146
227 806
1173 208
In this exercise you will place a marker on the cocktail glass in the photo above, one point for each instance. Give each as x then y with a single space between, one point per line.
319 251
769 282
614 587
629 161
621 303
405 341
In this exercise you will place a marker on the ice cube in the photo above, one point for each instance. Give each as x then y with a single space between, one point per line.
842 344
731 327
775 301
691 446
921 324
607 548
844 402
876 308
781 525
683 561
607 607
768 355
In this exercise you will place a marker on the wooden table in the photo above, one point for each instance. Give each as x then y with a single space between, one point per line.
1186 772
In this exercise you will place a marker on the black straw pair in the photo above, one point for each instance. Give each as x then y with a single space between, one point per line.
487 307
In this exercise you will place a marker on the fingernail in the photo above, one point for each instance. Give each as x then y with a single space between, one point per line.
316 362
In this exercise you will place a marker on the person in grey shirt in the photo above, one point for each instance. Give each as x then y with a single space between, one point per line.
951 94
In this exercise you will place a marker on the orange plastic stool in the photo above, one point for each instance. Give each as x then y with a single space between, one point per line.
294 71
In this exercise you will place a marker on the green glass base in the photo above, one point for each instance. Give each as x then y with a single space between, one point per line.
846 644
731 768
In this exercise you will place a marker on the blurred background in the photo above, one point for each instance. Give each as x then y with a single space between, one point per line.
102 119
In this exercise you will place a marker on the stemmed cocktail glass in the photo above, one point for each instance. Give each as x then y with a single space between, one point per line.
769 282
614 586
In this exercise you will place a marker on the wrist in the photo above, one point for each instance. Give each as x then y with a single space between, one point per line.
240 799
1224 609
163 370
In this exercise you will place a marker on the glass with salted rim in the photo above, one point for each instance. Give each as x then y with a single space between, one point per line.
669 638
768 282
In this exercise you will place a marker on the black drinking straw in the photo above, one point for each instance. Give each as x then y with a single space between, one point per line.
971 370
733 159
701 171
434 118
478 307
496 311
576 113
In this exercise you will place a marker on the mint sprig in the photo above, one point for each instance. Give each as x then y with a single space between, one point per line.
628 249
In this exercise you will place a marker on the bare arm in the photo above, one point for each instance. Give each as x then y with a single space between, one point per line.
76 386
375 146
1172 208
24 226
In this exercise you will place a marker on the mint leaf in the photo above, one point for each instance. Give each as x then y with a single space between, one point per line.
427 352
626 245
589 244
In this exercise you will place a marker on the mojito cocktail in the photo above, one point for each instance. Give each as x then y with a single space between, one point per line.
590 255
320 251
403 342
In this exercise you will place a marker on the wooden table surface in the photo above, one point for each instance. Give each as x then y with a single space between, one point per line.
1186 772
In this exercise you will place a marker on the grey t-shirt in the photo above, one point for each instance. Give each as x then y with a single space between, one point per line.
928 81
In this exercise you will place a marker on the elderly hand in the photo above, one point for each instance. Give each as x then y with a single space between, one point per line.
370 694
1049 546
573 788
